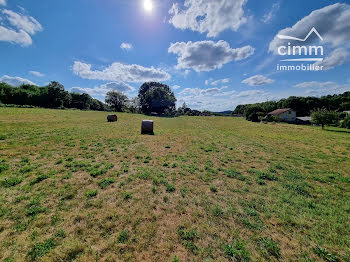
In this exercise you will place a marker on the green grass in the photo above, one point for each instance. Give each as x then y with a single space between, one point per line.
76 188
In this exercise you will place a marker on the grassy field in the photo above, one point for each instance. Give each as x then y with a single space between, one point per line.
76 188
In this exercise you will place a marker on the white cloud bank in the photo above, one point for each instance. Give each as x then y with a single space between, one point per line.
257 80
217 82
220 99
3 2
15 81
102 90
336 58
19 28
267 18
332 22
207 55
208 16
36 73
120 72
315 88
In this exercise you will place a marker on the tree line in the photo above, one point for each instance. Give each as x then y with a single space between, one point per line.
303 106
51 96
153 98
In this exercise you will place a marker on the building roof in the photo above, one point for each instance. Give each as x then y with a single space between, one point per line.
348 112
304 118
279 111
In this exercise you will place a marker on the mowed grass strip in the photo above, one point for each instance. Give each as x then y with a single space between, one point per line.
77 188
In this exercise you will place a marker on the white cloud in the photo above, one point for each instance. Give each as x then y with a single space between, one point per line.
332 22
336 58
23 27
220 99
15 80
126 46
316 88
208 16
270 15
121 72
257 80
198 91
36 73
207 55
216 82
20 37
103 89
23 22
3 2
316 84
175 87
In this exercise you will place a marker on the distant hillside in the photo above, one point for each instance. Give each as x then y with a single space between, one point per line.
226 113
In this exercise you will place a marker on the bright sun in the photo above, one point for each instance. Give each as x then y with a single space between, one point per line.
148 5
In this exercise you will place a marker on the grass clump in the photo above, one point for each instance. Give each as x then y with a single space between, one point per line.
218 211
188 237
41 249
299 188
39 178
261 175
91 193
232 173
106 182
170 188
26 169
271 247
213 189
267 176
123 236
11 181
34 209
176 259
3 166
127 196
325 254
237 251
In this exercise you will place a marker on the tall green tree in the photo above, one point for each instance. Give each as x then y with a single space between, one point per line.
116 100
156 97
57 96
324 117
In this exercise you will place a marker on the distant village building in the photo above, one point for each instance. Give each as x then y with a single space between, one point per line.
287 115
347 113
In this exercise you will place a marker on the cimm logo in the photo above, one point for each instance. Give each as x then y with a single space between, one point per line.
301 50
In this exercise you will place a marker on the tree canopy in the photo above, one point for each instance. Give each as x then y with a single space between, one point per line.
116 100
156 97
51 96
302 105
324 117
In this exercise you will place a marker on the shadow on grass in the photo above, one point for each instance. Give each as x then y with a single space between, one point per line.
337 130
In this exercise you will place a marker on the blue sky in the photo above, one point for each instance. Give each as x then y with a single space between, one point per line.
215 54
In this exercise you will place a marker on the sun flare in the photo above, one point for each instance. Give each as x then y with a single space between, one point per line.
148 5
